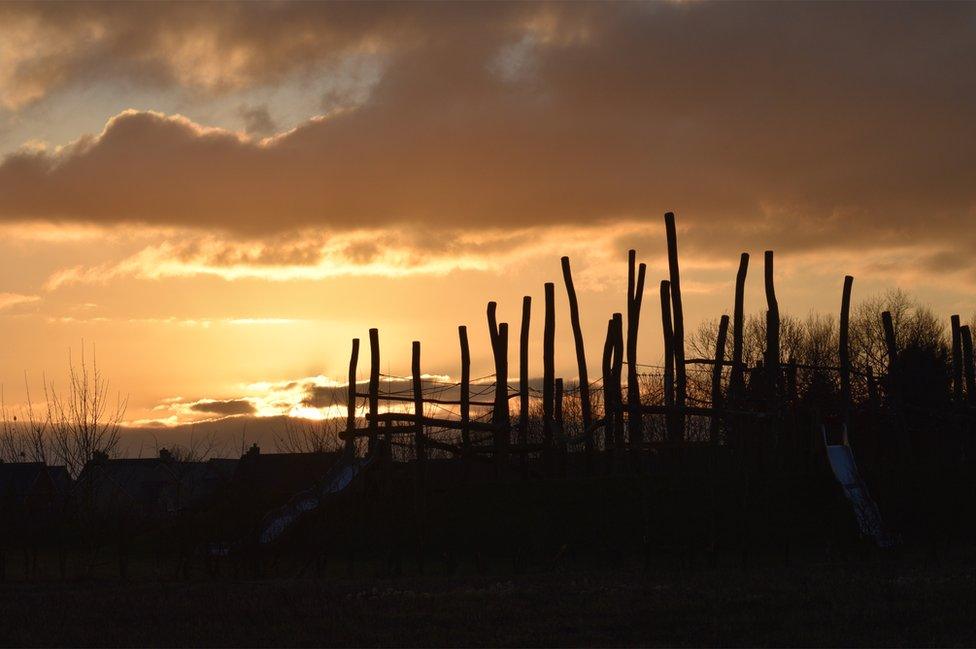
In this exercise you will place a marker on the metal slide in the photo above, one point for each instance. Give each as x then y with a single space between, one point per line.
865 509
338 478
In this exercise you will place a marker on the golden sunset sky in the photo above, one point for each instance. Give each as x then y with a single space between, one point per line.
220 196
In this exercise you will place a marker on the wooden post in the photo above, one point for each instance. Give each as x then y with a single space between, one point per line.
548 364
967 360
560 431
374 387
957 371
891 346
584 385
523 436
893 385
493 334
844 353
678 344
418 410
501 422
723 330
492 325
618 370
350 449
736 382
465 389
772 332
874 408
635 296
608 403
668 360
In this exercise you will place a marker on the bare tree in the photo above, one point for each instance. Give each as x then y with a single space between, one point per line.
83 421
307 436
915 325
23 438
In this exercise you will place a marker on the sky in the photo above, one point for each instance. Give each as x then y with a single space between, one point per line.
218 197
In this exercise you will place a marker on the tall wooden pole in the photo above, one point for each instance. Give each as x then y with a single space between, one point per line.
523 436
723 330
584 385
680 377
374 388
548 365
666 327
465 389
560 429
736 379
618 367
772 330
420 446
844 352
894 384
891 345
493 334
350 449
635 296
492 324
957 371
502 426
608 403
967 359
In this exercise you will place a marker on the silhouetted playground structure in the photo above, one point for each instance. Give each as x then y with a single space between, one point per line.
702 457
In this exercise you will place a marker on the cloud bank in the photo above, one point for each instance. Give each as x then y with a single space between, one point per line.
808 126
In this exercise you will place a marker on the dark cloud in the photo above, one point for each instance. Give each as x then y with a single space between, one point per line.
810 125
257 121
225 407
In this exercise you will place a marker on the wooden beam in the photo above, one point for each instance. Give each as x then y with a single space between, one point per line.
429 422
351 398
678 339
736 379
439 401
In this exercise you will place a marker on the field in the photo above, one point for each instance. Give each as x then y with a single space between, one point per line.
922 599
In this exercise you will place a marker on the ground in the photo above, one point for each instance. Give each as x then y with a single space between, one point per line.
923 599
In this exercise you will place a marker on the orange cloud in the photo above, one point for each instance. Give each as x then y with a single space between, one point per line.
808 127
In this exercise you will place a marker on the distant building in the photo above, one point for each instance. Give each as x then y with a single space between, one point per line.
151 487
32 486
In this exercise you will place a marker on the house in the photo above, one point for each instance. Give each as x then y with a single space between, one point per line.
32 486
269 479
149 487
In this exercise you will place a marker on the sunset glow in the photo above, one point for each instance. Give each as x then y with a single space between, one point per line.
221 213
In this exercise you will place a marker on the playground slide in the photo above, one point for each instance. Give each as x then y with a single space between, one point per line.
865 509
338 478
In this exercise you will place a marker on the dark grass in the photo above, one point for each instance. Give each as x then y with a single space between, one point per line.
921 600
